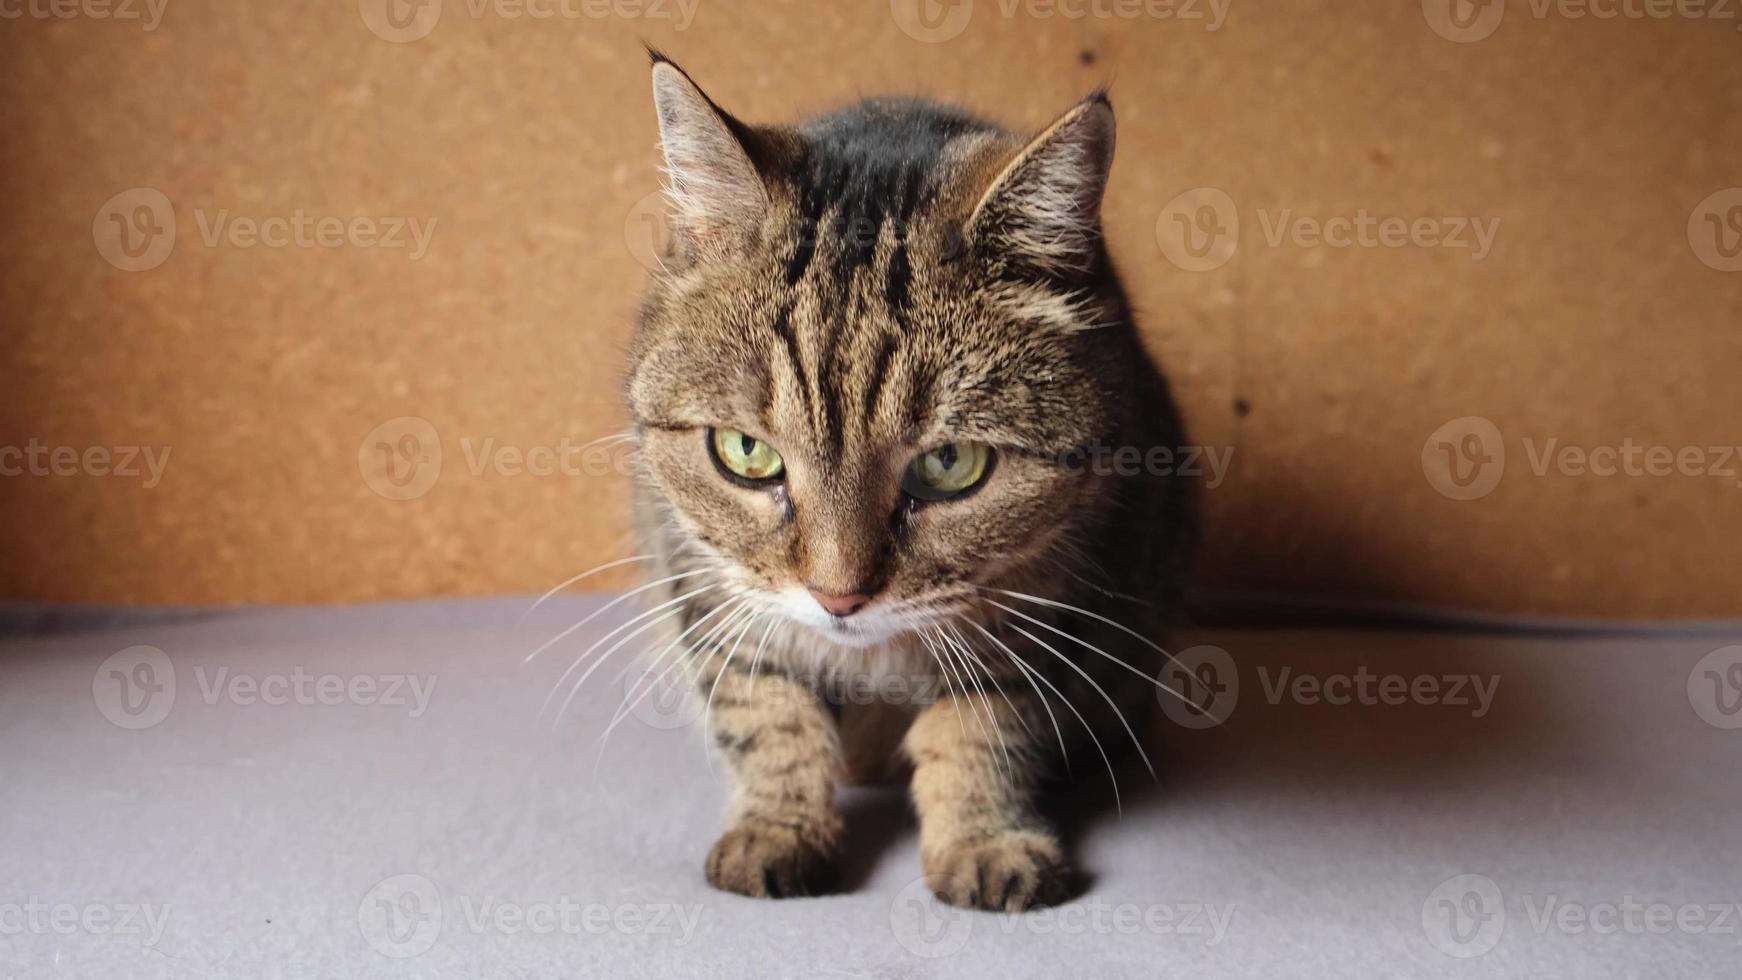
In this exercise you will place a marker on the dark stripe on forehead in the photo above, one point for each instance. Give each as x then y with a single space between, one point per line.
868 163
879 374
802 252
862 172
789 340
830 372
895 284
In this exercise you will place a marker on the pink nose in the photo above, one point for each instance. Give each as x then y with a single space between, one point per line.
840 605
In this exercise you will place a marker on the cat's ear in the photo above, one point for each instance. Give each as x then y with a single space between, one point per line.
715 189
1044 209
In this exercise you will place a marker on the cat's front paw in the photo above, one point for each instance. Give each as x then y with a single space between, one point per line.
1008 872
765 860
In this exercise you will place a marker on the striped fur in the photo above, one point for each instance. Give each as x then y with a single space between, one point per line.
855 290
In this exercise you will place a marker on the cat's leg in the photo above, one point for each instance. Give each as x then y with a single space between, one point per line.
782 754
983 843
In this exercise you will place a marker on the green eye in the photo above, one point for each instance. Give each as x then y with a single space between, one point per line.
947 470
746 456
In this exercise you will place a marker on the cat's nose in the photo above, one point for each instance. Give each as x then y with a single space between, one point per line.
839 605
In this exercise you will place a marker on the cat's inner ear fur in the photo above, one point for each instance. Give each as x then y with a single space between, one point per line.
715 190
1044 209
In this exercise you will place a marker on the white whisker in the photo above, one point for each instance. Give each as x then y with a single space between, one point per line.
708 707
1092 615
638 631
945 674
1034 672
589 572
636 691
1111 704
961 643
632 700
1093 648
963 669
597 612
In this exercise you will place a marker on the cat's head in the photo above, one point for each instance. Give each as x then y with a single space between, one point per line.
875 337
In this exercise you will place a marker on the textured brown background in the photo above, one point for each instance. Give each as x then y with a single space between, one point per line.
530 142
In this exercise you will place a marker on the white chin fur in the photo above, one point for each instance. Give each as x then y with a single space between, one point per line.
866 628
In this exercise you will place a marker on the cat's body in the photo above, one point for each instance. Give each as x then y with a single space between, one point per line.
858 315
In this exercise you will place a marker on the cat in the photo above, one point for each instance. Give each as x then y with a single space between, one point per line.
876 385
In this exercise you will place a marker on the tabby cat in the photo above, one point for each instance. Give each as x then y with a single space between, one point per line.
878 385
